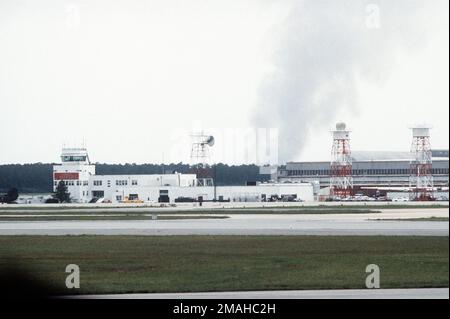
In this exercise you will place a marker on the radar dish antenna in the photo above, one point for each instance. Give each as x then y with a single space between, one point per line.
210 141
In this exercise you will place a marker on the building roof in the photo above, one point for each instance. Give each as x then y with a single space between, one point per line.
362 156
384 156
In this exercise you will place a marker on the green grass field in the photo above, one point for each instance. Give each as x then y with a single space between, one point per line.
119 264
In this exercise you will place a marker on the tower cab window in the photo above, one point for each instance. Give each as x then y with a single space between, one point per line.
70 158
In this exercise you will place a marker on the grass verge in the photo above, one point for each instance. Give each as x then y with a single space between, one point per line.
423 219
121 264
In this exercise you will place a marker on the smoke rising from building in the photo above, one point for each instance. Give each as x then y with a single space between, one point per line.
324 50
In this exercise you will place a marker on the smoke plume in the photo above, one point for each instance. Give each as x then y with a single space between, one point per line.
322 50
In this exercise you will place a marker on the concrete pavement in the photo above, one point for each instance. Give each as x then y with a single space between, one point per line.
386 223
248 224
428 293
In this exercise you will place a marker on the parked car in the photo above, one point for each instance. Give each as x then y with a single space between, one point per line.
369 199
442 199
363 198
400 199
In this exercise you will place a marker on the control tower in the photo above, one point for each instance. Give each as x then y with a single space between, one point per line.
75 170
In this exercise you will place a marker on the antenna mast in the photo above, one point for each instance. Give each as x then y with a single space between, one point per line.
341 181
200 157
421 178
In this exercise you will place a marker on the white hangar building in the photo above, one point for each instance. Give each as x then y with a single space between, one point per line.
84 185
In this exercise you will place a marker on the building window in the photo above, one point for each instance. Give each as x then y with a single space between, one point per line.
134 182
98 183
121 182
119 198
98 194
67 158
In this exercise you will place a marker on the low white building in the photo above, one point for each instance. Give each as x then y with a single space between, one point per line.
83 185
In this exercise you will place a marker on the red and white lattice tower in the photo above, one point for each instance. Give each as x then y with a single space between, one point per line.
200 158
421 178
341 180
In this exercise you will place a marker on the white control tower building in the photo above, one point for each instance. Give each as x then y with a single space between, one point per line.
75 170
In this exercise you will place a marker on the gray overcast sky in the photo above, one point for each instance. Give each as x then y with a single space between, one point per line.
133 77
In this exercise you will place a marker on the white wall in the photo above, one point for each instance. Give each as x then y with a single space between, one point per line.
79 191
233 193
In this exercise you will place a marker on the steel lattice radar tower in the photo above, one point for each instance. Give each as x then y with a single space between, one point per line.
421 178
200 157
341 181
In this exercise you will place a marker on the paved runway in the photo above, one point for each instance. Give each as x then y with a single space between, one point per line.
270 224
437 293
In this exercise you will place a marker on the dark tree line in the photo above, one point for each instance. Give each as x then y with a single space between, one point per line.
27 178
37 178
